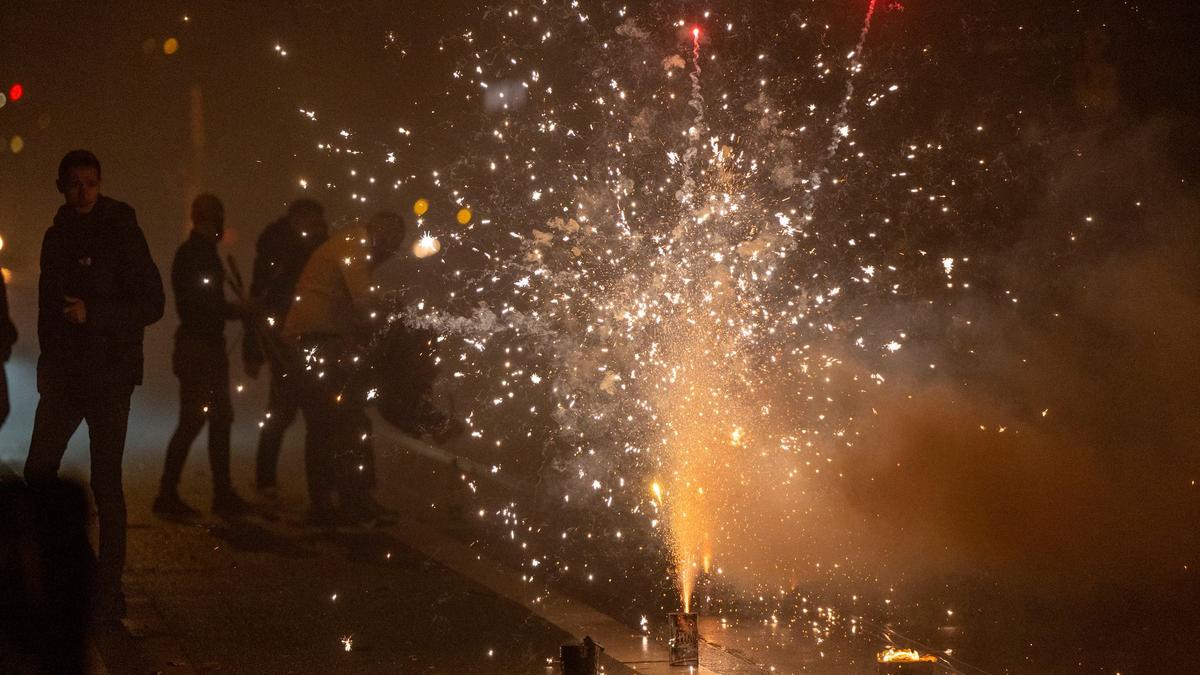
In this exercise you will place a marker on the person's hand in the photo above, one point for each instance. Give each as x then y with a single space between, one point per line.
253 369
75 311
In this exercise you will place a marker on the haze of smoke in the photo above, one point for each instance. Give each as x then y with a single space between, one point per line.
1062 448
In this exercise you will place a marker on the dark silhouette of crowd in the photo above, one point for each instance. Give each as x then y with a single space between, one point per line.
308 314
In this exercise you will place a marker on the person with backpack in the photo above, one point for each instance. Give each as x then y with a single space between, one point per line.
331 325
282 250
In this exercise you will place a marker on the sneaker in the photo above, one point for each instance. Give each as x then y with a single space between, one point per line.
169 505
229 505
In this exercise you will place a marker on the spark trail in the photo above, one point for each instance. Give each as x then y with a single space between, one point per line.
841 130
696 133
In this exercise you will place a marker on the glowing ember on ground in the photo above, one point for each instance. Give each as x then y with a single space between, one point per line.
894 655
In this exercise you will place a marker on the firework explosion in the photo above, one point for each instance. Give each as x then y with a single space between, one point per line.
674 270
672 297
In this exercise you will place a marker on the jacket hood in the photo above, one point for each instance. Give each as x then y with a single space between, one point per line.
104 205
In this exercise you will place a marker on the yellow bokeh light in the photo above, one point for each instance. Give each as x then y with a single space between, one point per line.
16 144
421 206
464 216
170 46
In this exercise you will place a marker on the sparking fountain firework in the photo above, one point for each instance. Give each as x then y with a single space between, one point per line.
658 291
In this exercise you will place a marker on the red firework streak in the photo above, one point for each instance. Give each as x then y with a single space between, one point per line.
696 41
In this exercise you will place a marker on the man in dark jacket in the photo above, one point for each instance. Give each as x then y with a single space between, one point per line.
282 251
200 363
98 290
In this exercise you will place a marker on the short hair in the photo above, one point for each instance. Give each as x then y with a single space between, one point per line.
304 208
206 206
387 228
74 160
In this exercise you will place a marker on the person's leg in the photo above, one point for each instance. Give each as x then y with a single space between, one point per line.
220 426
319 446
282 407
58 416
226 502
193 411
356 468
107 415
317 392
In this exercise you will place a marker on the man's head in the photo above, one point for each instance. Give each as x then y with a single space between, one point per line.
307 218
208 216
386 230
79 180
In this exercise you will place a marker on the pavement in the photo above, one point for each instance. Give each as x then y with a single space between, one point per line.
267 594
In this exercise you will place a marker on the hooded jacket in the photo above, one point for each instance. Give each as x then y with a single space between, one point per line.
100 257
334 289
279 258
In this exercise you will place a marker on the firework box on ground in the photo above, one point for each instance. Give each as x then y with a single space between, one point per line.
580 659
685 639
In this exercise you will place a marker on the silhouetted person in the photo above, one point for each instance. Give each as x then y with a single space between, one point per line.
99 289
46 568
330 324
281 252
200 363
8 337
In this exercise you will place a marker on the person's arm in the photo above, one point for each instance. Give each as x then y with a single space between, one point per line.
141 302
357 276
261 275
181 275
252 352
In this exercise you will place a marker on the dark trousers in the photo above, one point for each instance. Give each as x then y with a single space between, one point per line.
339 449
105 408
203 399
283 402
